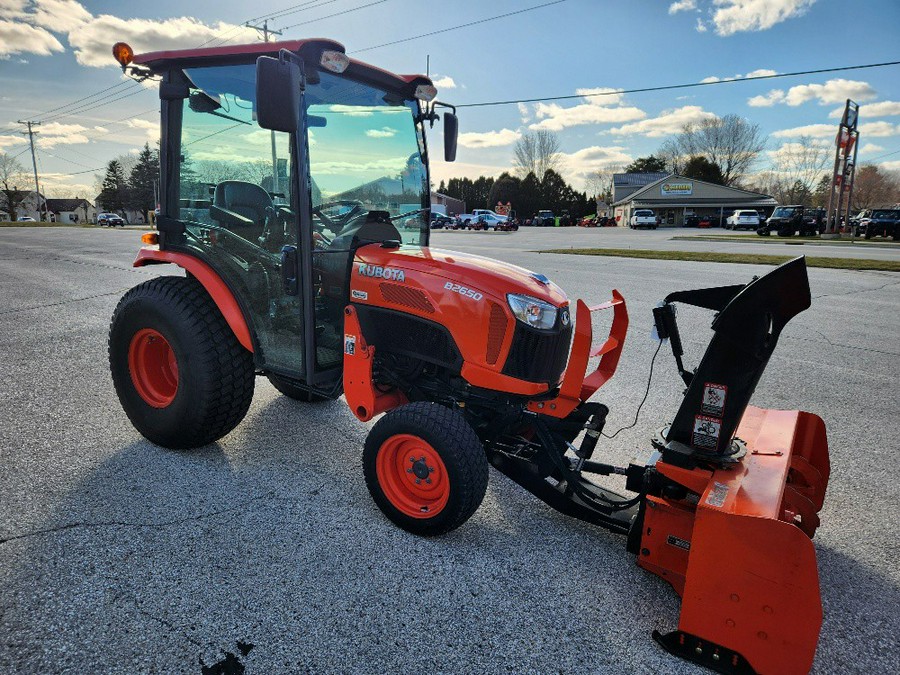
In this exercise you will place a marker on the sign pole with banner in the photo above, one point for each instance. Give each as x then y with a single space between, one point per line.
844 168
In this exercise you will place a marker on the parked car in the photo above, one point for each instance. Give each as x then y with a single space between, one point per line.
691 220
742 219
25 219
643 218
110 220
883 223
704 221
859 221
439 220
544 219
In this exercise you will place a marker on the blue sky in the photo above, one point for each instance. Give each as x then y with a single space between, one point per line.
53 52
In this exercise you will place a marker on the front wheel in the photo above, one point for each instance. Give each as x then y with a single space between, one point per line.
181 375
425 468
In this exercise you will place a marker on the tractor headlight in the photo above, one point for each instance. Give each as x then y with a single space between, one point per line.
531 311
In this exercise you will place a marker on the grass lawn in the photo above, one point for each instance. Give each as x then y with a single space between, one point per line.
751 259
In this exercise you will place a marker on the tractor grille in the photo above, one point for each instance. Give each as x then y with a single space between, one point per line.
496 333
407 335
539 355
408 297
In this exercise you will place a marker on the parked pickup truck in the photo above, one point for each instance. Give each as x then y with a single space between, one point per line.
485 215
883 223
788 220
643 218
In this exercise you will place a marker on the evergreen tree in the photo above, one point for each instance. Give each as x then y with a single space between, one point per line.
701 168
141 194
113 193
651 164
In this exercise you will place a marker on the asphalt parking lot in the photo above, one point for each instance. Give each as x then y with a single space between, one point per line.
264 550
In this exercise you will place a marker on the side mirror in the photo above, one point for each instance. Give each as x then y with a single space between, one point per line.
451 134
277 94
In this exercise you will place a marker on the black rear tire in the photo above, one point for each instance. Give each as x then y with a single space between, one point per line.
447 434
215 374
291 390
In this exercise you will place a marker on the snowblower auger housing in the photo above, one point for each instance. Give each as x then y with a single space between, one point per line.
324 282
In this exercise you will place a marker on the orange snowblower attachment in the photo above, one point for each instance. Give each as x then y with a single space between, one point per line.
732 499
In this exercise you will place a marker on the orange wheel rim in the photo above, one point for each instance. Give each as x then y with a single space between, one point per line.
153 368
412 476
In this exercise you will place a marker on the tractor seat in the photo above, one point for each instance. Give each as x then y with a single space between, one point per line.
242 207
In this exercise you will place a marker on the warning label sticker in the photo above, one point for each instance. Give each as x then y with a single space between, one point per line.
713 399
359 295
672 540
350 344
717 495
706 432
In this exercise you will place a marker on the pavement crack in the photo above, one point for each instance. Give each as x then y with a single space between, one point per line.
864 290
63 302
123 523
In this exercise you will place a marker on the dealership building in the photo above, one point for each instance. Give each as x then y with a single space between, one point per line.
673 198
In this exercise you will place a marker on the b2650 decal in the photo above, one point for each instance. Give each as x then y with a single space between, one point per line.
462 290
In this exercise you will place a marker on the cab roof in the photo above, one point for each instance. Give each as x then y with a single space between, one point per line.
310 50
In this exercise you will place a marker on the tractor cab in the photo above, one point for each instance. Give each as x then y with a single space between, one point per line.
278 162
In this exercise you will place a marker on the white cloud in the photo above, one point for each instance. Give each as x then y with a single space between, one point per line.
768 100
489 139
445 82
23 38
152 129
10 141
833 91
350 111
92 40
790 153
12 9
682 6
735 16
870 147
667 123
524 112
893 165
384 132
880 109
701 27
578 166
602 106
811 130
761 72
60 16
878 129
56 133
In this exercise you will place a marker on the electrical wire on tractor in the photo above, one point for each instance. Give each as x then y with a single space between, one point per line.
307 260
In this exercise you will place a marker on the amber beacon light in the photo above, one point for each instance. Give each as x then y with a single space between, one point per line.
123 53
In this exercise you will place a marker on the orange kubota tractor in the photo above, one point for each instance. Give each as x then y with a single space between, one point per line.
295 195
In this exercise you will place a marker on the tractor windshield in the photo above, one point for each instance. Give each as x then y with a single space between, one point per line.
366 154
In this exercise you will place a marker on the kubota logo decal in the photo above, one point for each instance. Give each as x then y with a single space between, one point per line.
390 273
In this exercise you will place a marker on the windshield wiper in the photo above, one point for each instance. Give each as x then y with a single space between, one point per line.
406 215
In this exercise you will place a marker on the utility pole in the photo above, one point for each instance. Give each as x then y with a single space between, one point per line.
30 133
266 32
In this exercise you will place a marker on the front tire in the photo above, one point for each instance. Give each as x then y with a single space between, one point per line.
181 375
425 468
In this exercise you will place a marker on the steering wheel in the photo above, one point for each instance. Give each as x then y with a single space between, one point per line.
338 224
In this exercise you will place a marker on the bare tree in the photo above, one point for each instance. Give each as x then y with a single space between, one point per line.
12 174
802 163
599 181
536 153
731 142
873 187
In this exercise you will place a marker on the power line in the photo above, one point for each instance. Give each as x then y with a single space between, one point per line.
88 106
889 154
85 98
465 25
330 16
617 92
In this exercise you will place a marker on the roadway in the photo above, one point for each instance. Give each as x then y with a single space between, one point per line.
118 556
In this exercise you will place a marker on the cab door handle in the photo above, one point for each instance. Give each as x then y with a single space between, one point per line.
289 270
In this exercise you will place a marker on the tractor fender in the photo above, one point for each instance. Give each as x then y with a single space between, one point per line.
210 280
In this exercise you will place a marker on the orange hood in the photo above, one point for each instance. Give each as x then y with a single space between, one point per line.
480 273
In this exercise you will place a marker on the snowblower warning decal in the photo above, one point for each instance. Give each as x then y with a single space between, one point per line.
706 432
350 344
713 399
